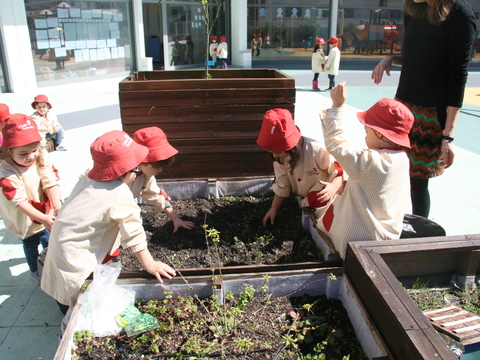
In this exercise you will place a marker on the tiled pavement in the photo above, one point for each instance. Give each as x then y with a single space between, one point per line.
30 320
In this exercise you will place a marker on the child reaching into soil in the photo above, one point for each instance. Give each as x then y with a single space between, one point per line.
30 197
98 217
377 193
302 167
47 122
160 154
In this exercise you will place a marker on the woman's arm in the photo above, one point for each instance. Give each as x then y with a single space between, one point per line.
384 66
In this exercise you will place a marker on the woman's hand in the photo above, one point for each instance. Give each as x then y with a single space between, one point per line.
383 66
448 153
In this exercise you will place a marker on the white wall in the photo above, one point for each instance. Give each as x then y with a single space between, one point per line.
238 44
16 41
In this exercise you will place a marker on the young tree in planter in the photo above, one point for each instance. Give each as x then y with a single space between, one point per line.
210 21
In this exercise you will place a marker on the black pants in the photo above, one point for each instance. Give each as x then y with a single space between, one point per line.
420 197
315 76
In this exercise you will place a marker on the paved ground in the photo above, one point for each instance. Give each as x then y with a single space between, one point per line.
29 319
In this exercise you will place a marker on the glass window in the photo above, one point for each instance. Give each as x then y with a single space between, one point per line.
79 38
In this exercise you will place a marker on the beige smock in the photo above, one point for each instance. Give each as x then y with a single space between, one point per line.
314 164
148 190
97 217
46 124
376 195
318 59
333 61
21 183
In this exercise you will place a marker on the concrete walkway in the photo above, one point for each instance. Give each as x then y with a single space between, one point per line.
30 320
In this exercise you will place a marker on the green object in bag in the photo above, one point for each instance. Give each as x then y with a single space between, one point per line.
134 322
141 323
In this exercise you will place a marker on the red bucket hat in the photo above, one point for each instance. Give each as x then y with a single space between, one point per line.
333 40
114 154
4 112
279 132
390 118
223 38
158 146
19 130
320 41
214 38
39 99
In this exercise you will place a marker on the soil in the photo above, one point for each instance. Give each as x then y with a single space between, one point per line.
265 328
244 328
243 238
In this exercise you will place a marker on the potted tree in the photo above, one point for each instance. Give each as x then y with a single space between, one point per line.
212 116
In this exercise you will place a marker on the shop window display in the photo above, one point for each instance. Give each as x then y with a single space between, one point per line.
77 38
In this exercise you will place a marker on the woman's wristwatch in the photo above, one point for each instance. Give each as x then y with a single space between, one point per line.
445 137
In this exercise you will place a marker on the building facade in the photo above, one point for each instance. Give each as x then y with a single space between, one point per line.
47 42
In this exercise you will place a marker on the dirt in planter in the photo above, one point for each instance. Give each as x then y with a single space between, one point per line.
246 327
243 238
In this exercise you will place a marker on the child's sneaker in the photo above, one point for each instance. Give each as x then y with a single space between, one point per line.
35 277
61 148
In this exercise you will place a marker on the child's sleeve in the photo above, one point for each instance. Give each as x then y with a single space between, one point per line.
152 194
48 175
13 190
355 161
42 127
52 118
126 213
281 184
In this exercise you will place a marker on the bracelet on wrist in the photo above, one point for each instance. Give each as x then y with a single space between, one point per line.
445 137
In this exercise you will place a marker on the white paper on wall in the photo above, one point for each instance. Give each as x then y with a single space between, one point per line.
78 55
85 54
92 44
81 44
111 42
93 54
60 52
43 44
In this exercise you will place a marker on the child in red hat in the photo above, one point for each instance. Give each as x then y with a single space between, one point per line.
302 166
47 122
212 50
160 154
4 113
318 62
98 217
332 66
377 193
30 197
222 52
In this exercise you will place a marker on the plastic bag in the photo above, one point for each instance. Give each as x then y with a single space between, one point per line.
102 301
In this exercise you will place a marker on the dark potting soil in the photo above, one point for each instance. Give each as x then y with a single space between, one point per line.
245 328
243 240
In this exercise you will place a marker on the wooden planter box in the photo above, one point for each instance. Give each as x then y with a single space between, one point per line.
214 123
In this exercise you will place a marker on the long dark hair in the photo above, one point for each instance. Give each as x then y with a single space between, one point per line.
435 13
316 48
294 154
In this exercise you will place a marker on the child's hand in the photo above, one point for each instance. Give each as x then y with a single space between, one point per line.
339 95
327 193
178 223
47 221
270 215
160 269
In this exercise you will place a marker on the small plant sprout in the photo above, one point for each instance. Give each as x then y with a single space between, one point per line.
332 276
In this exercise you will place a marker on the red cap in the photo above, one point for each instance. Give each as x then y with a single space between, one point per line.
39 99
19 130
279 132
158 146
4 112
390 118
214 38
254 35
320 41
223 38
333 40
114 154
259 34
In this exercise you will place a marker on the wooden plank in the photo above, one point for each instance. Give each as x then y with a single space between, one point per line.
467 263
461 325
154 115
209 129
406 331
200 97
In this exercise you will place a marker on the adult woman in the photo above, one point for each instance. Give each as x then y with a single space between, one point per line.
437 48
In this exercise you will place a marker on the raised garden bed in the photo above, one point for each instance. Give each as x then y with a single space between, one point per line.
214 123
